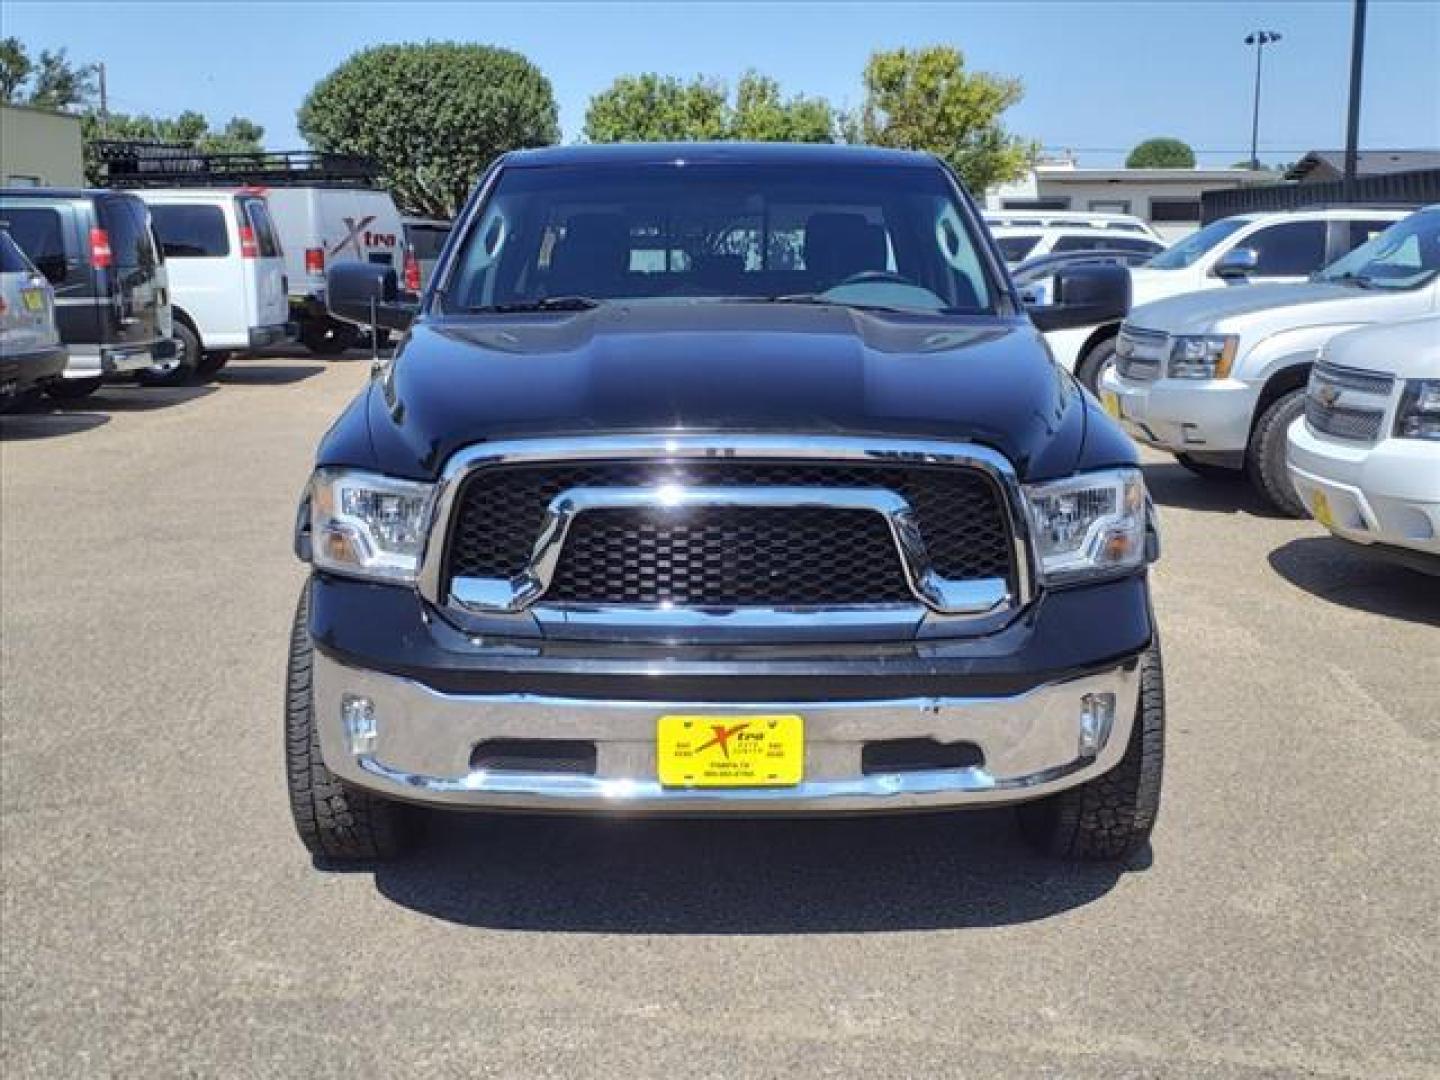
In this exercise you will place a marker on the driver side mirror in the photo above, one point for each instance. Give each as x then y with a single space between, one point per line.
1239 262
369 294
1084 295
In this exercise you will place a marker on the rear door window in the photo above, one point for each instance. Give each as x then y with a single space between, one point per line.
190 232
1361 232
40 232
1290 249
427 240
257 213
126 223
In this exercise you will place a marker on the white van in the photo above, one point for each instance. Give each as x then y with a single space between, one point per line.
227 274
320 227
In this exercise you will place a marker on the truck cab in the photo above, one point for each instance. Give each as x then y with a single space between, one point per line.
723 480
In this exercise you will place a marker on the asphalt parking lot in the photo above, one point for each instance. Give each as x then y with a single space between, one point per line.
160 918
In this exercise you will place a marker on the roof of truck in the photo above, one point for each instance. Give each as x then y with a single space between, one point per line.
716 153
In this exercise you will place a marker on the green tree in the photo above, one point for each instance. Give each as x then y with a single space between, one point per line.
761 115
925 99
15 67
433 116
1161 153
238 136
657 108
50 80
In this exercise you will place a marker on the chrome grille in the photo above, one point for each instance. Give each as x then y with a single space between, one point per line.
1347 403
734 556
1140 354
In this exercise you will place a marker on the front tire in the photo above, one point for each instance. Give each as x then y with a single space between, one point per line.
181 368
1110 818
1095 363
337 824
1265 456
1206 469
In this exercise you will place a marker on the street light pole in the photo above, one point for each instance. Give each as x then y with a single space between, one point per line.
1260 38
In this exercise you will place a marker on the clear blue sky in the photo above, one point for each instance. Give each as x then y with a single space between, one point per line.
1098 77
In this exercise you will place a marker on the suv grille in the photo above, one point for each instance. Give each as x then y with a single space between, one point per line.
732 556
1347 403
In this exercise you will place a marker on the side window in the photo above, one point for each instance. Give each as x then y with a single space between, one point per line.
1291 249
1015 248
258 215
40 233
1125 243
190 232
1361 232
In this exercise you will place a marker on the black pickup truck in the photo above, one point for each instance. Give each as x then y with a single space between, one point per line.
724 479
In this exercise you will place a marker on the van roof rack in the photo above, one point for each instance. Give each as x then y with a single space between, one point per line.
144 164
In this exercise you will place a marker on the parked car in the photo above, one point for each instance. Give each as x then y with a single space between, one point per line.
797 518
1018 245
31 354
97 250
1267 248
424 240
226 271
1084 219
324 227
1034 277
1365 456
1217 378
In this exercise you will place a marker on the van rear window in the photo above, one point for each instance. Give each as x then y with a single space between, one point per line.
126 222
40 233
190 232
258 215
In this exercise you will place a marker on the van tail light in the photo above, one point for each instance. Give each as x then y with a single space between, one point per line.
248 248
412 271
314 260
100 254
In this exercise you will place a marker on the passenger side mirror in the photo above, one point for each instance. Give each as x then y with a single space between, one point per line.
369 294
1084 295
1238 262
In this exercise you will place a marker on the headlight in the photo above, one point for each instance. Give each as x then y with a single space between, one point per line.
366 525
1418 416
1204 356
1089 525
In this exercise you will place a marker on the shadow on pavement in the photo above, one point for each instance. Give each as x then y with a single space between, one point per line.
1334 571
130 397
903 872
242 373
36 422
1175 485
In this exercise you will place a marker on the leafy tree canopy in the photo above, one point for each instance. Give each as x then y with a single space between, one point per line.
49 81
661 108
432 115
239 135
1161 153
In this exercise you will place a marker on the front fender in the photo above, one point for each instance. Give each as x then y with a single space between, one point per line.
1295 347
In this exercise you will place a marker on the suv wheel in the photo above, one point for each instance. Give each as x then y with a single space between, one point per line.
1110 817
1095 363
72 389
178 370
1265 456
327 337
337 824
1206 469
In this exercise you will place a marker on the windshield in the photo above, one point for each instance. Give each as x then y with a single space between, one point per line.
861 235
1186 251
1405 255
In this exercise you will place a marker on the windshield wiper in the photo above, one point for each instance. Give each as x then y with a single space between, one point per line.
1349 277
547 303
822 299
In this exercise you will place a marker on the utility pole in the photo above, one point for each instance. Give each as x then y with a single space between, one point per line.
1352 123
1260 38
104 104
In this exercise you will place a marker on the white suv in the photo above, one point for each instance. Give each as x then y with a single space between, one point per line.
227 272
1017 245
1217 378
1078 219
1284 247
1365 457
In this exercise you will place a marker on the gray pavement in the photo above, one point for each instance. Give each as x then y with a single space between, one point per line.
159 917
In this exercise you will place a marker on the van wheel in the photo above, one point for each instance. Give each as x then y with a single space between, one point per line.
1096 362
211 362
337 824
178 370
328 338
1265 456
1110 817
72 389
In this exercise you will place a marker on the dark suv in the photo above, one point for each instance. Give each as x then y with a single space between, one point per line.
724 480
111 300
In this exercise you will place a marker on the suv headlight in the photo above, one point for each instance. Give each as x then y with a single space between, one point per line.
365 525
1202 356
1089 525
1418 416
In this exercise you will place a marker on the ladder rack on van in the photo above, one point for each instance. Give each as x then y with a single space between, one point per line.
139 164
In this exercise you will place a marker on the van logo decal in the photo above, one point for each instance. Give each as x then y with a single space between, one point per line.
352 236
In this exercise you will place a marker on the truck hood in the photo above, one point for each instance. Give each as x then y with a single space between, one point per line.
1246 308
731 367
1148 284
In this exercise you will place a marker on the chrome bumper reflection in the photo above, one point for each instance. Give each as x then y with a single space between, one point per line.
422 742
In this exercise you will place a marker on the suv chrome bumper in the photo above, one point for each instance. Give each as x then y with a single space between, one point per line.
422 742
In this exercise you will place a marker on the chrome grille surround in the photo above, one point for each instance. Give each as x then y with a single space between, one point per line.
934 596
1140 353
1347 403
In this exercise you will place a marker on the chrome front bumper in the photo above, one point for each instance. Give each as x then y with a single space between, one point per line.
422 742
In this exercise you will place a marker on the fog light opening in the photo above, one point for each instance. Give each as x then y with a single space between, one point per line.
361 728
1097 716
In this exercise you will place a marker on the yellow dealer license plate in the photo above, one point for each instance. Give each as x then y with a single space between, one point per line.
730 751
33 299
1321 507
1111 401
